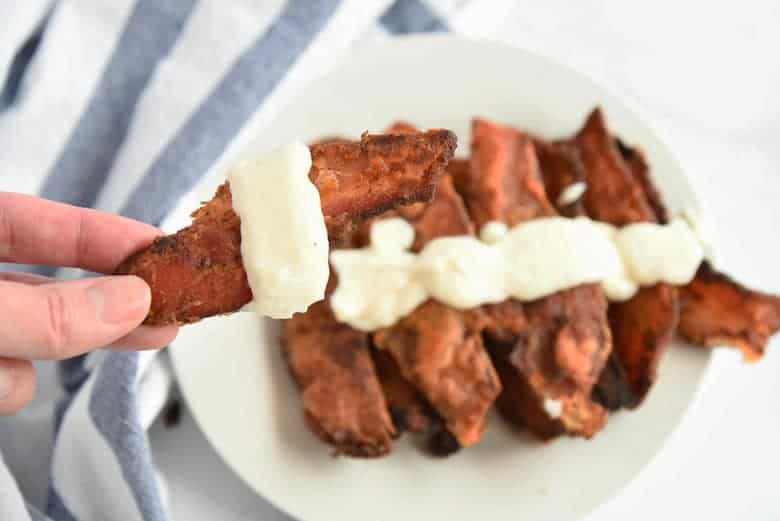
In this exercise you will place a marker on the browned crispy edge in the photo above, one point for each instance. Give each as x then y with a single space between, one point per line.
716 310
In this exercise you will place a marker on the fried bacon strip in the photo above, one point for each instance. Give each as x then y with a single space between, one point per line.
550 349
716 310
614 195
503 182
561 167
642 327
407 407
343 402
636 162
439 349
197 272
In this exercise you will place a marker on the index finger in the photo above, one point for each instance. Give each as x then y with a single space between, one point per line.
37 231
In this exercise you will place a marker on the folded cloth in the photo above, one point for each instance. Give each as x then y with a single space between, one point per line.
124 106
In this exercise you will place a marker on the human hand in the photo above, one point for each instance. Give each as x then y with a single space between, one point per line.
49 319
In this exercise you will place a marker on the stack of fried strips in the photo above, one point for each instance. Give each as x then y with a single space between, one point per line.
438 371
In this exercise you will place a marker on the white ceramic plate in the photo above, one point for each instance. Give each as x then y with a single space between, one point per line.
242 396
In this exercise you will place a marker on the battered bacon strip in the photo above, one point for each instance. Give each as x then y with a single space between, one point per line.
197 272
643 326
439 349
636 162
550 349
642 329
503 182
343 402
407 407
561 167
614 195
715 310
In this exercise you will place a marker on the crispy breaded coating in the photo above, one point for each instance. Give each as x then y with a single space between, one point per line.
715 310
552 348
408 408
561 167
559 357
444 216
523 407
614 195
381 172
439 349
343 402
197 272
503 182
635 159
643 326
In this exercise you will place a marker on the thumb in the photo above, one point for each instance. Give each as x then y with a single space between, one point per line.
65 319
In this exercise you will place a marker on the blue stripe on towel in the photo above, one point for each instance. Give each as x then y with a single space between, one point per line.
113 408
81 169
219 118
21 60
411 16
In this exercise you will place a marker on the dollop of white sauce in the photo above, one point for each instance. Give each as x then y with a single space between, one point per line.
493 231
654 254
284 243
380 284
553 408
572 193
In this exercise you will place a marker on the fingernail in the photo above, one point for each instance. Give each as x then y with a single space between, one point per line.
6 381
120 299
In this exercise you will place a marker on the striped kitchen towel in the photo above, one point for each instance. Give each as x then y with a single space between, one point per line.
124 106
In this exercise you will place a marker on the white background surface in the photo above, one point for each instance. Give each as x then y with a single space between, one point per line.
709 78
708 75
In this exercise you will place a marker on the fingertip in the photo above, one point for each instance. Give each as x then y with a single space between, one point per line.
143 293
141 289
121 300
17 385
